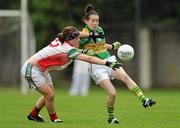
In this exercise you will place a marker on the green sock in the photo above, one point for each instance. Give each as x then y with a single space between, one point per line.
110 112
137 91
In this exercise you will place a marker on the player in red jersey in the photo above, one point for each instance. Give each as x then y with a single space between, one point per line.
56 56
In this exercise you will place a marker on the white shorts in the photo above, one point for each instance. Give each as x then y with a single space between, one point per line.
34 76
101 72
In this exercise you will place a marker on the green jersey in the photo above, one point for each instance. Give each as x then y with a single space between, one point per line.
98 47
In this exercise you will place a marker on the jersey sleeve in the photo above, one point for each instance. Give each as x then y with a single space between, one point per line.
73 53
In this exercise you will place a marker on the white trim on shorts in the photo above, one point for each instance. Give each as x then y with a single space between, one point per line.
37 77
101 72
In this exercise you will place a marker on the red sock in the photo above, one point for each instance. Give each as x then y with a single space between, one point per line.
53 116
35 111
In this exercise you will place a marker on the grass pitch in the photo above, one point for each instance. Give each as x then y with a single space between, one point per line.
90 111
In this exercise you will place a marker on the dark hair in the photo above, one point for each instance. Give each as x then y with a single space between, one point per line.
89 10
68 33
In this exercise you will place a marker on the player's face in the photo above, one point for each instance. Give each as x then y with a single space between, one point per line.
75 42
93 21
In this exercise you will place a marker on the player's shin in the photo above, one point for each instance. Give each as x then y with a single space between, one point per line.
137 92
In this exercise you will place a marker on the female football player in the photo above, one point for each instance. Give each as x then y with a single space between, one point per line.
102 74
56 56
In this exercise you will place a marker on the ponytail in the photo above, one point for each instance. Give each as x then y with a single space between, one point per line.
89 10
68 33
61 37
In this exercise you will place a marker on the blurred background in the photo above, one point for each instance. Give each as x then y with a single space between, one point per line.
152 27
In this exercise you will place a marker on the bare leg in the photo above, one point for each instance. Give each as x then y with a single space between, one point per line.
123 76
107 85
120 74
41 101
48 95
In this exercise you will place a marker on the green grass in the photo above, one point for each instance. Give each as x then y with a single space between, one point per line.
90 111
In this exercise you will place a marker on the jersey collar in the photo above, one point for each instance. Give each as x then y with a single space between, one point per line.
90 30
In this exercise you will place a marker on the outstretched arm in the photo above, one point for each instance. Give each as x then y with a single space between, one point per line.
108 46
95 60
91 59
113 46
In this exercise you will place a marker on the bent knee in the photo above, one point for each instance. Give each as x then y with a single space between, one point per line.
113 94
49 96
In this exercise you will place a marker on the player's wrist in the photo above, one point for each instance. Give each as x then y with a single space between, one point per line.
88 52
108 63
112 47
113 65
116 45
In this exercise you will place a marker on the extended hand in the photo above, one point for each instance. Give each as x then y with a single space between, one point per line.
113 65
88 52
116 45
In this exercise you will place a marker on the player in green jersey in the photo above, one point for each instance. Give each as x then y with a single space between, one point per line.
102 75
